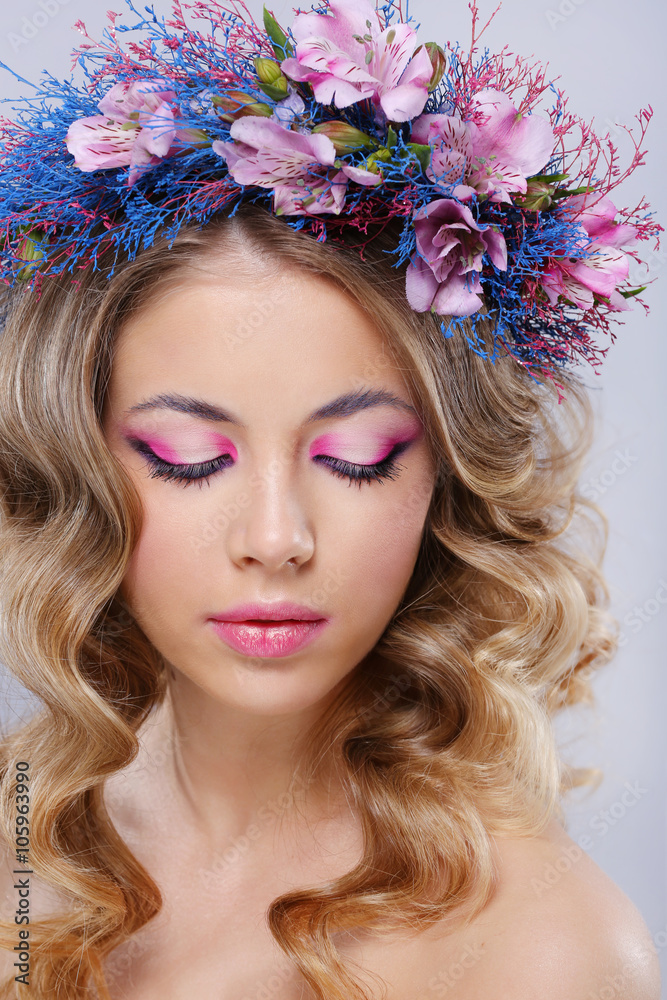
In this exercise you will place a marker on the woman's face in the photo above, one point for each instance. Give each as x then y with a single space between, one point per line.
258 386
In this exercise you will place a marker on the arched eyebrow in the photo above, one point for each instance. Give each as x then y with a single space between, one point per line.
342 406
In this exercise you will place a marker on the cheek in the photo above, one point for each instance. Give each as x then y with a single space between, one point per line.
162 560
382 551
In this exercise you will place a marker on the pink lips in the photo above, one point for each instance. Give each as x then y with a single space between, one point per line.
271 630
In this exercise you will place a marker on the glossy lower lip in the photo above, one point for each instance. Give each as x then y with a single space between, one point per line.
272 639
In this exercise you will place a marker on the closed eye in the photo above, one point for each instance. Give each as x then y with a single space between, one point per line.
201 472
385 469
195 472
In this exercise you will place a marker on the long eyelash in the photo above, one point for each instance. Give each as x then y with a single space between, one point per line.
201 472
385 469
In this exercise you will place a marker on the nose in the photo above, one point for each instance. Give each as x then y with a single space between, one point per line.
273 529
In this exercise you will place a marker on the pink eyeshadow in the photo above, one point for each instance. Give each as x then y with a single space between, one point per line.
344 446
211 445
162 450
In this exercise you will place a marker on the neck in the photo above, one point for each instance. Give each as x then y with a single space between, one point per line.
229 768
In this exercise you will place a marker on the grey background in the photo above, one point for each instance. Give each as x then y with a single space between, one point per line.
609 55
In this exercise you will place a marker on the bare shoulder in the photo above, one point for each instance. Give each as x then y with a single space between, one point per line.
557 927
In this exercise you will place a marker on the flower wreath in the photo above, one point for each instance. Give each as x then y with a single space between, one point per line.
343 120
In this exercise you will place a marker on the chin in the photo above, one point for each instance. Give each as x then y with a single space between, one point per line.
265 687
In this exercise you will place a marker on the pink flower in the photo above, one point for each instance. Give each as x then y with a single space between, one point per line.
597 216
300 167
492 154
346 59
508 146
136 128
445 275
452 150
265 153
578 280
319 194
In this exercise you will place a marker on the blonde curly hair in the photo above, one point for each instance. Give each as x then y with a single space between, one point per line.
445 736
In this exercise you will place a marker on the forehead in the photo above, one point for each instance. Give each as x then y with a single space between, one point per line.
289 337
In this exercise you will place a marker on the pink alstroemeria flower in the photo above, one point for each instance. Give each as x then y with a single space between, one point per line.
452 150
493 154
445 277
300 167
136 129
345 60
577 280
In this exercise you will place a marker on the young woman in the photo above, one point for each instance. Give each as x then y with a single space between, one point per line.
296 579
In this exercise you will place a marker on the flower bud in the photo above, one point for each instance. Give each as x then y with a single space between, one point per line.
346 138
237 104
271 79
268 70
538 196
194 137
29 250
30 253
438 61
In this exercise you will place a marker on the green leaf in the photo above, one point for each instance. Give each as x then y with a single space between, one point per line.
549 178
635 291
372 162
276 93
423 153
566 193
392 138
281 46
